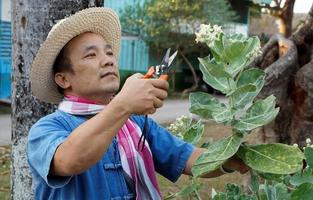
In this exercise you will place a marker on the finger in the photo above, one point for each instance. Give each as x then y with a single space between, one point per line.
157 103
136 76
160 93
150 111
159 83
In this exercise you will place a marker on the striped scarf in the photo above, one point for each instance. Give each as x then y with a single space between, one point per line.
137 164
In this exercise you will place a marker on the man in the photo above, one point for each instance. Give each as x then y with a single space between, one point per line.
88 148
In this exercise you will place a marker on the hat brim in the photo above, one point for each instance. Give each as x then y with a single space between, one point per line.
102 21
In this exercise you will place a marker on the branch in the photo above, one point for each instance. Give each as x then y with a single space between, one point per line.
305 32
278 73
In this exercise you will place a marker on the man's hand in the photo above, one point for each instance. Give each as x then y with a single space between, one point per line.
142 96
236 164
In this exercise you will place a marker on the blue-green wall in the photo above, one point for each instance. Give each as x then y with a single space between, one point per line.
134 53
5 59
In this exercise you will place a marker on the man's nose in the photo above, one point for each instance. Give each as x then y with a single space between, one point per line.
107 61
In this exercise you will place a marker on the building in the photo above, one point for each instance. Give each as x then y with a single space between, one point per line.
5 49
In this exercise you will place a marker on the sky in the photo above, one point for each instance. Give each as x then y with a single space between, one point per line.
302 6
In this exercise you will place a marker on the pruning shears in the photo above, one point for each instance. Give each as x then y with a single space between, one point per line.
161 72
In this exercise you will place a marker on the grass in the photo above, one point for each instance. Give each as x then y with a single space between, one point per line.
5 172
212 131
5 109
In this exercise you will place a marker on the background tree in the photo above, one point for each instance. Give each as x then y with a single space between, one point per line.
282 10
289 67
163 24
31 21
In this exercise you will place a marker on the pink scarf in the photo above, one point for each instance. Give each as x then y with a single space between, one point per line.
137 164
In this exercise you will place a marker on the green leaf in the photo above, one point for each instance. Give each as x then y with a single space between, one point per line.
260 113
284 178
278 191
243 95
254 183
224 85
305 176
308 154
216 154
215 69
281 192
189 189
208 107
233 192
303 192
272 158
235 52
194 133
252 76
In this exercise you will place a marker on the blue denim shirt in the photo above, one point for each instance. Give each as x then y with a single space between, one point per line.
105 179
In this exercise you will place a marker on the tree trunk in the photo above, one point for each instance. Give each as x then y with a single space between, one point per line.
285 18
31 21
289 68
194 76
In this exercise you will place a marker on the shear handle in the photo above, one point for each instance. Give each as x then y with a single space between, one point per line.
150 73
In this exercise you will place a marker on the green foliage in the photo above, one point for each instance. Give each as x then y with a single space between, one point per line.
208 107
227 70
217 153
187 130
260 113
272 158
164 24
190 190
233 192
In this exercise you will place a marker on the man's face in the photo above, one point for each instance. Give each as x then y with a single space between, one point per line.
95 72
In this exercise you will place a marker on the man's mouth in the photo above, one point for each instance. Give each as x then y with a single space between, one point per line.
108 74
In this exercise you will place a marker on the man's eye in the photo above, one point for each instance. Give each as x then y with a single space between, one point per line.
90 55
110 53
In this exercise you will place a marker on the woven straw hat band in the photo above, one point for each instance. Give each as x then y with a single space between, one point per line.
102 21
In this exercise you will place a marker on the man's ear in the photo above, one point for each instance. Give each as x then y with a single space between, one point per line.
62 80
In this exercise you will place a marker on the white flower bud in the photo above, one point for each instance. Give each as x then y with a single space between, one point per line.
295 145
308 141
208 34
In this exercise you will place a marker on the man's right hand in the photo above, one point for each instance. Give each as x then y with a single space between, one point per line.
142 96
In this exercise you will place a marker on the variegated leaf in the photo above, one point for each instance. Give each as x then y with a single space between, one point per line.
272 158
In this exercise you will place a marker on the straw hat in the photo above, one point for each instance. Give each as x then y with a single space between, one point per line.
102 21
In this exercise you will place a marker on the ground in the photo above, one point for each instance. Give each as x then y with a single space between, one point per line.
212 131
4 172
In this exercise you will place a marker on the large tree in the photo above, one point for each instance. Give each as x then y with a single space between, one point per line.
163 24
282 10
31 21
289 67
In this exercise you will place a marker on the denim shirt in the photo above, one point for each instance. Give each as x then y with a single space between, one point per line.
105 179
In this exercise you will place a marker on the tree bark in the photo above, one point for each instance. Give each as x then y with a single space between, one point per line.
285 18
31 22
289 68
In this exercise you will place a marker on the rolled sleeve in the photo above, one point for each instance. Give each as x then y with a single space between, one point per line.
170 154
43 140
